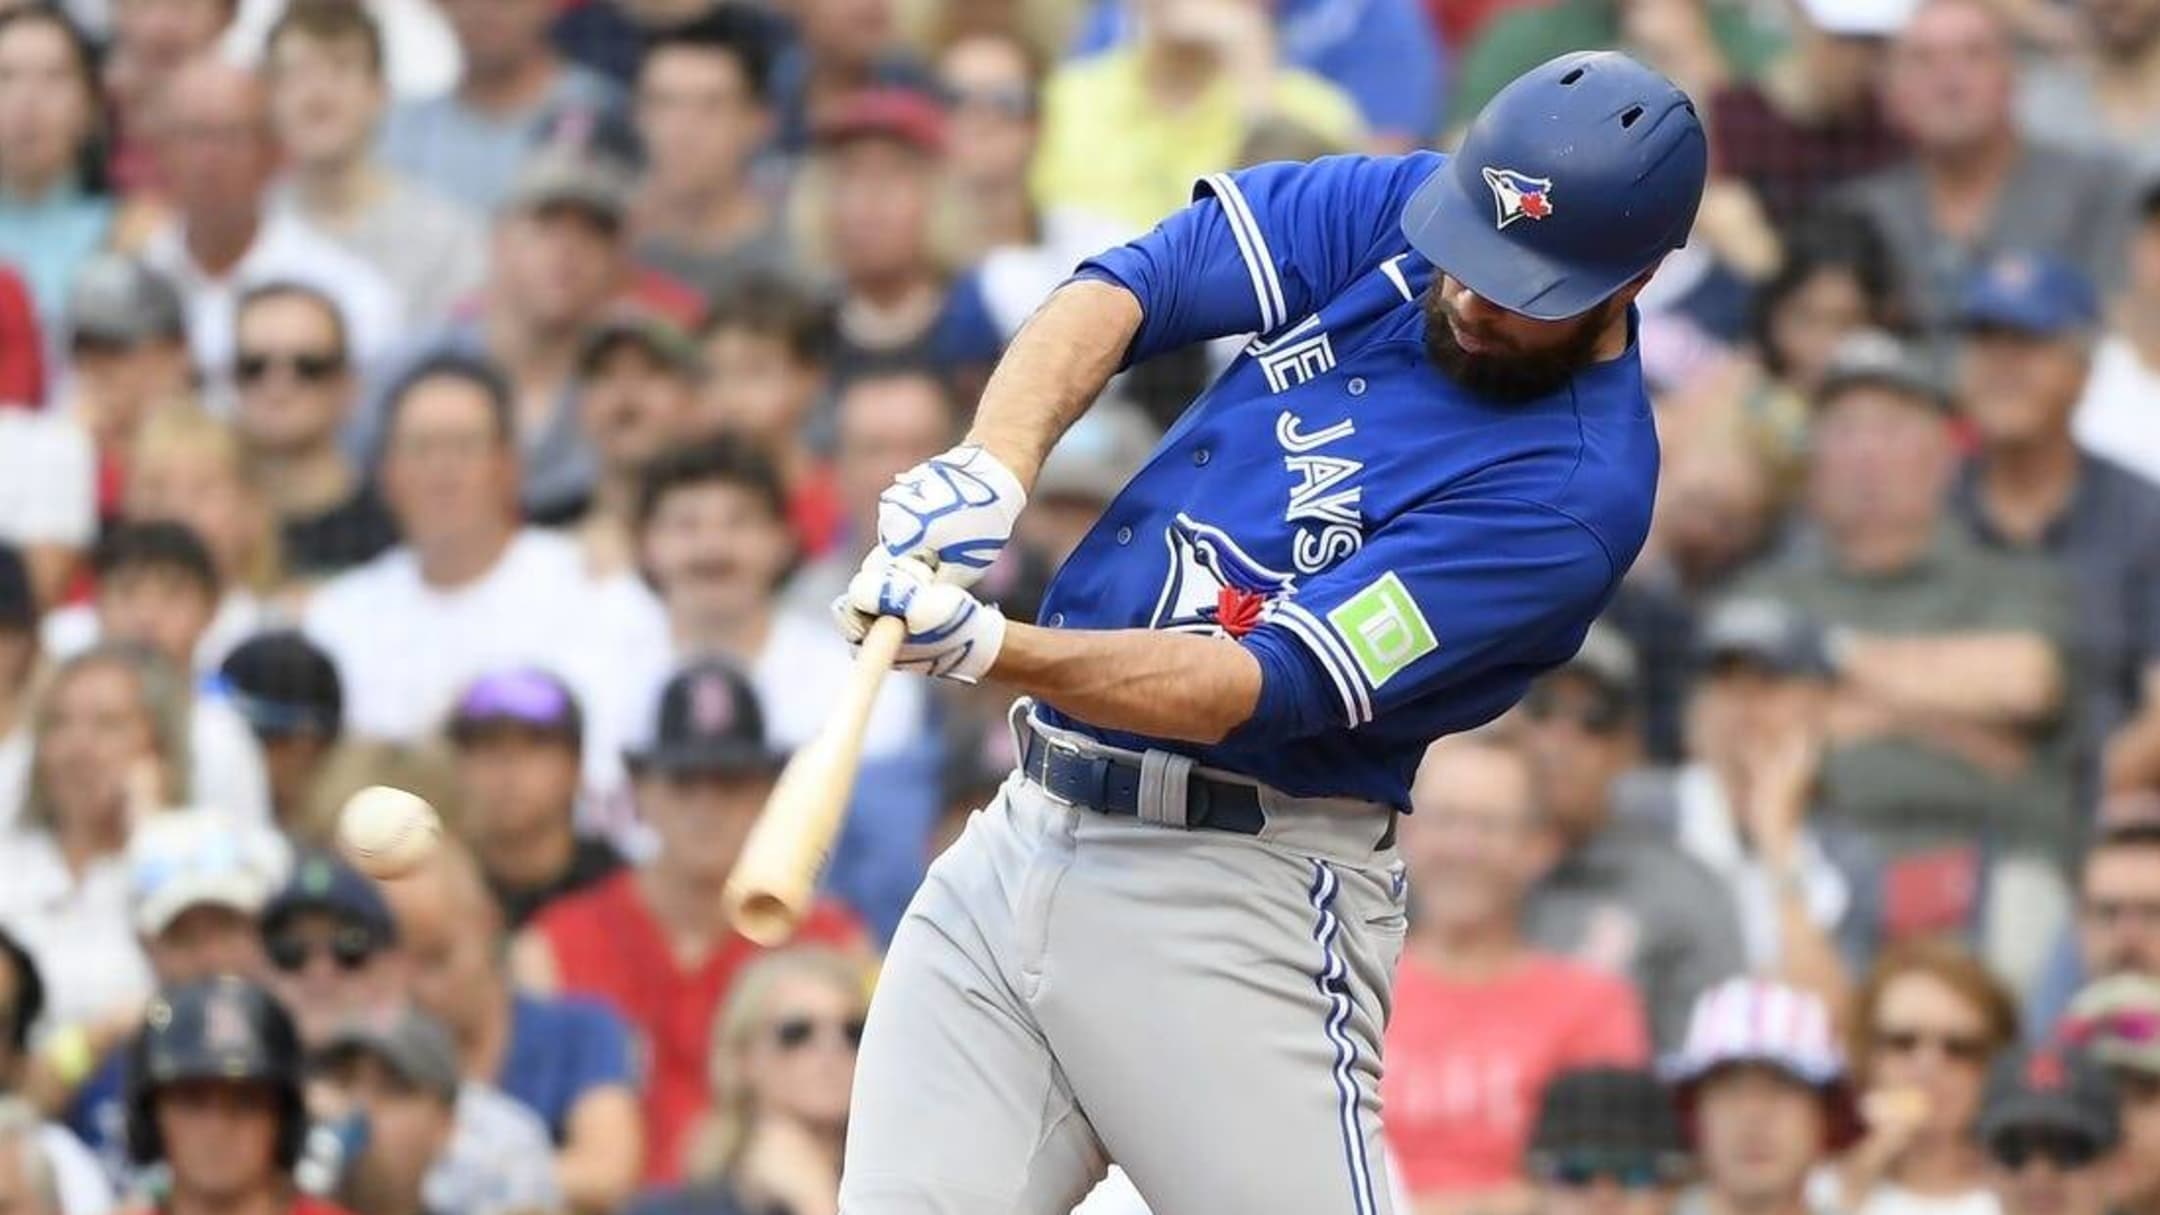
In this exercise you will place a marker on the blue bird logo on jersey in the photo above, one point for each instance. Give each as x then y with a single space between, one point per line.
1213 587
1519 195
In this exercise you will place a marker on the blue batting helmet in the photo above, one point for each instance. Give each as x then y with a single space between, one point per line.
1574 179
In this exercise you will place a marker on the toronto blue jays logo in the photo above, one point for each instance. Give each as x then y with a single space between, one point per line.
1519 195
1213 586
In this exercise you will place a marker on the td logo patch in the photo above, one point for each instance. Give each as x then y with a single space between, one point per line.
1383 628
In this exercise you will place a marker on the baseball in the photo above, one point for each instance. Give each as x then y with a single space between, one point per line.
387 833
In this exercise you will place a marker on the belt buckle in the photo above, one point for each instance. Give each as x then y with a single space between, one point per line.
1053 747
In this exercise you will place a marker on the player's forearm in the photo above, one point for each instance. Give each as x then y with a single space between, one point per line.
1165 685
1054 369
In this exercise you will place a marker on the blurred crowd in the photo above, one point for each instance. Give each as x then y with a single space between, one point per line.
485 398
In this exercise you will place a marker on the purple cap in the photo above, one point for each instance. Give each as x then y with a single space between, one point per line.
525 697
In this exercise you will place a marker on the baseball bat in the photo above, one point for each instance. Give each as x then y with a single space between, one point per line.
774 878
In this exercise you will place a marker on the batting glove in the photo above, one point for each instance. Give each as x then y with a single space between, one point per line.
950 633
954 511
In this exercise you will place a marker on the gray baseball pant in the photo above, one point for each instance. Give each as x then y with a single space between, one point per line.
1070 988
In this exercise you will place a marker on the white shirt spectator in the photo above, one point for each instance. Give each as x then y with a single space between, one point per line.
48 481
78 930
84 1189
2119 417
404 649
69 631
420 51
225 760
499 1159
284 249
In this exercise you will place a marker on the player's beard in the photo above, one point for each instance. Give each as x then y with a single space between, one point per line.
1513 376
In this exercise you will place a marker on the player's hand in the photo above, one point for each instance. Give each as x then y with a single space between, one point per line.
954 512
950 633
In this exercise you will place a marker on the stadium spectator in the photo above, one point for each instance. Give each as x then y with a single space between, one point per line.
1944 743
1974 184
287 692
1128 131
879 154
332 945
1482 1021
76 1184
2118 907
190 467
197 880
1618 896
324 65
27 1182
991 82
781 1065
1700 44
432 1141
840 48
48 494
2115 417
2098 95
1762 1090
18 662
2116 1020
766 342
469 590
565 1059
1927 1023
638 379
884 425
55 212
2050 1126
703 112
1607 1141
612 36
215 1096
2028 326
296 388
1808 892
151 41
518 734
714 542
1813 118
654 941
217 153
469 142
1091 462
127 354
108 745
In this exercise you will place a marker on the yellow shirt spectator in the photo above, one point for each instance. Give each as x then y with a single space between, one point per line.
1111 149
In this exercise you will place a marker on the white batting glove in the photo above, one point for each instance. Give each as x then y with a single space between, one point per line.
950 633
954 511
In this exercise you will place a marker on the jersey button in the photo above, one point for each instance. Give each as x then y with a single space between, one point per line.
1201 457
1057 619
1124 535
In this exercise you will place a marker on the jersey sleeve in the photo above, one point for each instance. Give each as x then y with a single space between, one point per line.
1466 597
1259 249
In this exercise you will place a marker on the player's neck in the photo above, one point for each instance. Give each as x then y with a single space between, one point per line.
1614 341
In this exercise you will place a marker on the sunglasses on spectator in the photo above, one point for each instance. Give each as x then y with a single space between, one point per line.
1010 101
793 1033
1583 1169
1965 1048
350 947
309 368
2015 1149
1601 714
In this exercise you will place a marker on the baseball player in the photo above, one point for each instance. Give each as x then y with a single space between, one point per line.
1168 941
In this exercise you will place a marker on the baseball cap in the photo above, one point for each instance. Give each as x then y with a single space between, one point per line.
2032 293
1766 633
2117 1019
2050 1088
1859 18
568 175
664 342
520 696
1747 1021
18 604
283 684
1607 1119
1608 659
119 300
1102 451
709 722
320 881
182 859
1871 358
412 1044
902 115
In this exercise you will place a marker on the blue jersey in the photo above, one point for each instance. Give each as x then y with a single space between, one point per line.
1400 555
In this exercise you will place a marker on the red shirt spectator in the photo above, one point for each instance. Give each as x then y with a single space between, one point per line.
22 351
1467 1059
